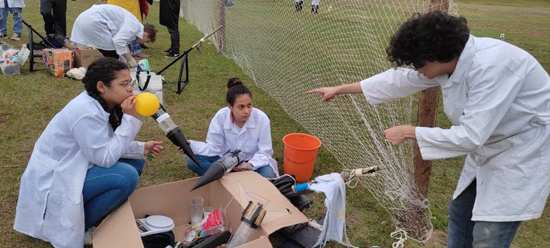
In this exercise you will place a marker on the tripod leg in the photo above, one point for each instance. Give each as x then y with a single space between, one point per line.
184 68
31 47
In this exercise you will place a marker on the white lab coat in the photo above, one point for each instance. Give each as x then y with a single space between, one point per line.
106 27
50 205
253 139
13 4
498 100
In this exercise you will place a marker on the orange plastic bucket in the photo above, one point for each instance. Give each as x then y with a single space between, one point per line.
300 152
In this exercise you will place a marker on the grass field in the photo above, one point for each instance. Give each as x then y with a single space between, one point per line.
29 101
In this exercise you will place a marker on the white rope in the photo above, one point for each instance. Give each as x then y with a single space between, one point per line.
400 237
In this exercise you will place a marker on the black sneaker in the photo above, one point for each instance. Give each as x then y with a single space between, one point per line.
173 54
298 5
314 9
169 50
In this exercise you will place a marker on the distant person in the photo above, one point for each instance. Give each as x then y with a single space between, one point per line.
86 163
54 13
111 29
144 6
15 7
299 4
238 126
133 6
169 17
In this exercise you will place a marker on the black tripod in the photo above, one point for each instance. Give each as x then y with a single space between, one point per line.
32 33
184 67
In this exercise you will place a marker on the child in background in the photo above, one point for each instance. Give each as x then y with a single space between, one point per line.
15 7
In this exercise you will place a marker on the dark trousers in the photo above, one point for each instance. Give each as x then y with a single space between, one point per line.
169 17
54 13
109 53
174 39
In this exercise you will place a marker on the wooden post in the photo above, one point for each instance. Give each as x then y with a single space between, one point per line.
442 5
221 21
427 112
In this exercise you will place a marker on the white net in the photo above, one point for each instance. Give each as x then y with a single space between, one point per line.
288 51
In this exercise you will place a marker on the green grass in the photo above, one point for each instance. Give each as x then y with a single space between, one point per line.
29 101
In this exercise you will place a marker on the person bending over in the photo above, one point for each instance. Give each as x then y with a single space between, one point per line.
111 29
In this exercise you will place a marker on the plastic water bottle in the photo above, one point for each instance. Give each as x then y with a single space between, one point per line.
252 218
22 55
173 132
144 65
165 122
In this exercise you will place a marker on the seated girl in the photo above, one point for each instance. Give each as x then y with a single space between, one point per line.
238 126
86 162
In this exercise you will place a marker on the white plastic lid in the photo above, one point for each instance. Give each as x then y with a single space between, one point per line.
159 221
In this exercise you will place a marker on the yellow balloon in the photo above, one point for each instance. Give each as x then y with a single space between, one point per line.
147 104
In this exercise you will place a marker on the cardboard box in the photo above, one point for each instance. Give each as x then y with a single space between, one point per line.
232 193
58 60
83 57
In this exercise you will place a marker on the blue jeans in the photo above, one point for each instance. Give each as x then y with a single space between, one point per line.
105 189
17 23
465 233
206 161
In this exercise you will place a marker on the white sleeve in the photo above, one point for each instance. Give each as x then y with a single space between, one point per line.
492 92
393 84
215 140
136 150
265 148
127 33
95 143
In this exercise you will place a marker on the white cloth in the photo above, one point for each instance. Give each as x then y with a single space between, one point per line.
334 225
106 27
50 205
498 100
76 73
253 139
13 4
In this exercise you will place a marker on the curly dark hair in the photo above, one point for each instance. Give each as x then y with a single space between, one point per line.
104 70
432 37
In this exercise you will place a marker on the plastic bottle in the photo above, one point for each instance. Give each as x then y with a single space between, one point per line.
23 55
173 132
252 218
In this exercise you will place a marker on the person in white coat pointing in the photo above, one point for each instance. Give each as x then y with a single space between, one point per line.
497 97
86 162
238 126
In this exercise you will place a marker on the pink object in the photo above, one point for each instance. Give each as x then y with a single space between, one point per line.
213 222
